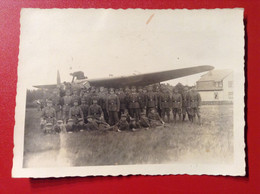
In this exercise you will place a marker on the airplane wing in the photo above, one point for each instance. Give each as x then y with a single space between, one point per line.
50 87
148 78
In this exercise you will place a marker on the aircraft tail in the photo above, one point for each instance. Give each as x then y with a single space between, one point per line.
58 78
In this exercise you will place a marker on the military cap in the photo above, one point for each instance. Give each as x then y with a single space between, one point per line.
59 121
70 121
48 124
80 119
89 116
76 100
132 119
111 89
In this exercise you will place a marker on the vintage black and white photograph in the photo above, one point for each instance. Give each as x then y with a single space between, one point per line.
125 92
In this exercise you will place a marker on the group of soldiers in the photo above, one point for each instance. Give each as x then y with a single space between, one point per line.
75 109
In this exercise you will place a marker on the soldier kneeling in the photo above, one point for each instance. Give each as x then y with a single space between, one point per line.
59 127
48 128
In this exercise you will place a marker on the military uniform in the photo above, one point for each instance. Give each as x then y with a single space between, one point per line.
95 111
56 101
92 124
176 105
185 106
164 105
151 101
134 106
75 97
67 103
142 100
194 101
49 114
154 119
122 99
113 106
84 107
102 102
76 113
144 121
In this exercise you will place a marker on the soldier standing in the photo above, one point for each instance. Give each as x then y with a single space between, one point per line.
67 103
194 100
112 107
142 99
76 112
158 94
176 104
151 100
48 115
75 96
56 101
134 106
102 102
95 110
122 99
185 109
84 107
165 104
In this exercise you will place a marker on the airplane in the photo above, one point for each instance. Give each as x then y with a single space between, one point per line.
131 80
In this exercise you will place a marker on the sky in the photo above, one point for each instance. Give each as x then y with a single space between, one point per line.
122 42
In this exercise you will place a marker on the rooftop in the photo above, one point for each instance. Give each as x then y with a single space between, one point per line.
215 75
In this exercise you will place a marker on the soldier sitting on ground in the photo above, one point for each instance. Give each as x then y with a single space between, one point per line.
122 125
48 128
92 124
59 127
95 110
144 121
155 119
81 126
70 126
133 124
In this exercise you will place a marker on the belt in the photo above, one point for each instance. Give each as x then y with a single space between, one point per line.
151 100
133 101
49 117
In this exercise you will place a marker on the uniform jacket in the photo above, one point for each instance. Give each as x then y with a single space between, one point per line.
92 126
144 122
142 100
76 111
164 100
194 99
102 100
95 110
185 99
122 99
112 103
134 100
151 100
48 112
84 108
176 100
123 125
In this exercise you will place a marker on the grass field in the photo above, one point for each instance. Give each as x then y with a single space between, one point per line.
183 142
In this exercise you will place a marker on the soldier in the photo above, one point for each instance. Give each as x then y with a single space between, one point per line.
122 99
194 101
176 104
56 101
142 99
84 107
67 103
81 126
48 114
158 94
112 107
134 106
133 124
48 128
122 125
144 121
75 96
185 109
154 118
102 102
76 112
87 97
92 124
165 104
95 110
70 126
151 100
59 127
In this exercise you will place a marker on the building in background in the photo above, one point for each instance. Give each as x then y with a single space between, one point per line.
216 86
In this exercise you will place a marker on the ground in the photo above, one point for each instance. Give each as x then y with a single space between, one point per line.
182 142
